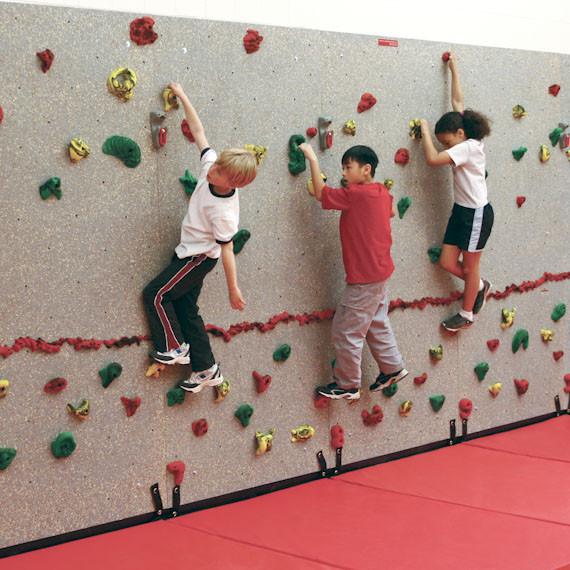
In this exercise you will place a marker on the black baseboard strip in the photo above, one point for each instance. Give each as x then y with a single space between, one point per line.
258 491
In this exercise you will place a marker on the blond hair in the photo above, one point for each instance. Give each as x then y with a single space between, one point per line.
239 164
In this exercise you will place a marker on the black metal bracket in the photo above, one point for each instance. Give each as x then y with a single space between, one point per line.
452 432
175 501
322 463
557 405
323 469
464 426
338 464
156 500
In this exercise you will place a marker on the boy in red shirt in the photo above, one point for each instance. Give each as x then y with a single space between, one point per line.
362 314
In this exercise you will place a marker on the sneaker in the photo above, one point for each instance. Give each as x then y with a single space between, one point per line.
180 355
481 298
386 380
197 381
456 323
335 392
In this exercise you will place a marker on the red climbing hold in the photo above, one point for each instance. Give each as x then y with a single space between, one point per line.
337 436
321 402
200 427
557 355
312 132
521 386
567 381
520 201
367 101
46 57
177 468
373 417
402 156
186 131
262 382
445 56
162 136
141 31
554 89
493 344
251 41
55 386
1 114
465 408
131 405
419 380
329 139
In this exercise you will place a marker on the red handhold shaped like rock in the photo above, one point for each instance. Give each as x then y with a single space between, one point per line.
445 56
186 131
554 89
373 417
567 381
55 386
521 386
46 57
367 101
162 136
557 355
1 114
520 200
311 132
419 380
200 427
251 41
177 468
131 405
465 408
262 381
493 344
337 436
141 31
402 156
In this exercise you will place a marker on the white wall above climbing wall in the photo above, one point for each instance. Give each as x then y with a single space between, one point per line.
519 24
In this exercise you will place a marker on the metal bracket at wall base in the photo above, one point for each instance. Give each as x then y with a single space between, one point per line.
322 463
156 500
452 432
338 463
464 423
568 407
175 502
557 404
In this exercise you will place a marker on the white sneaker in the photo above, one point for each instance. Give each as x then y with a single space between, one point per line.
180 355
210 377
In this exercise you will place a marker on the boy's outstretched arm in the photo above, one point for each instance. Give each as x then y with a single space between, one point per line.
433 158
318 183
191 116
457 101
229 263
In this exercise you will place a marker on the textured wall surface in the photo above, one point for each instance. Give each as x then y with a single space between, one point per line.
76 267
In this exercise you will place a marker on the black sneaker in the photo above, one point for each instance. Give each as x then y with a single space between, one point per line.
456 323
198 380
481 298
179 355
386 380
335 392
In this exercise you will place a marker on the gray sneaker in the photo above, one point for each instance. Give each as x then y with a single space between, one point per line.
456 323
481 298
198 380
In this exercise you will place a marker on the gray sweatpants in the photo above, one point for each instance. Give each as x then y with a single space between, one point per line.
363 314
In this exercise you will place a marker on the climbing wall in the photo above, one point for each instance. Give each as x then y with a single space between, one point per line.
74 267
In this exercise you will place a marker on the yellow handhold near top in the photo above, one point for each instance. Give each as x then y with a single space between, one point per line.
221 391
349 127
121 83
4 385
519 112
544 153
436 352
406 408
81 412
310 188
169 99
258 150
78 149
302 433
154 370
415 128
389 183
264 441
546 334
495 389
507 317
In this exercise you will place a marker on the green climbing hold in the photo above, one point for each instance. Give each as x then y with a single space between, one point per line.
519 152
436 401
521 337
558 312
297 162
189 182
243 414
282 353
109 373
7 455
555 135
390 390
63 445
481 370
175 395
240 239
434 253
51 187
403 205
124 149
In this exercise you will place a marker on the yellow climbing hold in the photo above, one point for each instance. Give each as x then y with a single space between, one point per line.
495 389
81 412
519 112
4 385
544 153
310 188
154 370
406 408
436 352
264 441
546 334
507 318
169 99
349 127
389 183
121 83
415 129
258 150
302 433
78 149
222 390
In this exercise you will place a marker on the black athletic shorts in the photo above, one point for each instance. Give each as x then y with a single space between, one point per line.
469 228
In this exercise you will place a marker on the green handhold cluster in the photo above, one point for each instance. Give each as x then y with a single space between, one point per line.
63 445
297 162
434 253
555 135
240 240
481 370
520 338
390 390
558 312
282 353
189 182
436 401
109 373
243 414
7 455
519 152
124 148
403 205
175 396
51 187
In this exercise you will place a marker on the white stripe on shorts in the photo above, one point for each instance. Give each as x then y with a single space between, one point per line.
476 229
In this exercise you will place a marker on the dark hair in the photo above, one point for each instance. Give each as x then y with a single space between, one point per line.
475 125
363 155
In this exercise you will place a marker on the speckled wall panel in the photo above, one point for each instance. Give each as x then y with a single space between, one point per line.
76 267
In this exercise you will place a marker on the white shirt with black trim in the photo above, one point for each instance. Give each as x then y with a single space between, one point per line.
469 173
212 219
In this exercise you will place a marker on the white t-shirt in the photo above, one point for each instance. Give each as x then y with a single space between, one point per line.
211 219
469 173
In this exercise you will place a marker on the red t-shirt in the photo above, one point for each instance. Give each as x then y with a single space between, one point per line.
365 233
